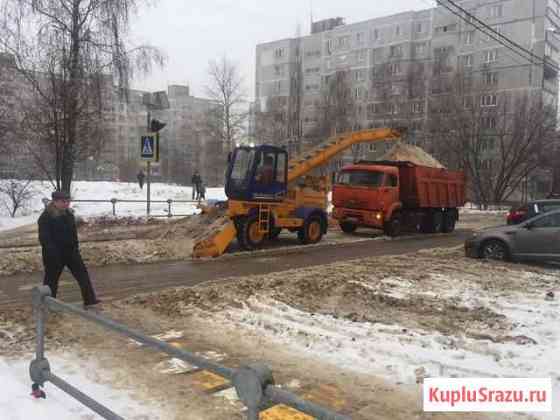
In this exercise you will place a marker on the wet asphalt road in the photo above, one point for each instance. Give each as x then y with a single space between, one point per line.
120 281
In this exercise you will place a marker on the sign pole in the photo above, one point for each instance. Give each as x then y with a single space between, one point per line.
148 170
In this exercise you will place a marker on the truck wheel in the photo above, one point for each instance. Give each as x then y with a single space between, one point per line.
437 222
312 231
448 222
348 227
393 227
250 238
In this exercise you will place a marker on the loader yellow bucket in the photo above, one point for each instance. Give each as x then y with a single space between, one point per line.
216 241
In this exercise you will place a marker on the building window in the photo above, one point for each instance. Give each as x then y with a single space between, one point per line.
397 30
362 55
467 102
491 78
418 107
496 11
396 51
395 108
490 56
468 37
418 27
359 75
488 123
279 52
446 28
419 49
375 34
488 100
372 147
343 42
467 60
395 68
360 37
329 46
357 93
277 86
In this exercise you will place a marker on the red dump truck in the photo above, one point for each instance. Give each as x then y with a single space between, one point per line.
392 196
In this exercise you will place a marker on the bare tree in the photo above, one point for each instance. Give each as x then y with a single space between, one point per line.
68 53
226 89
15 194
499 139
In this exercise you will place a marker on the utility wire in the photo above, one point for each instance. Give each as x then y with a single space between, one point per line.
492 33
516 60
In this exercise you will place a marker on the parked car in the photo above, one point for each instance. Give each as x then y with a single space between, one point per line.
535 239
527 211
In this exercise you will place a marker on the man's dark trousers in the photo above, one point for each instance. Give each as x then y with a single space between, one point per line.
54 265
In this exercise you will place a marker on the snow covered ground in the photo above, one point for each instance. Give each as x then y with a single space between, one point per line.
17 404
512 328
85 190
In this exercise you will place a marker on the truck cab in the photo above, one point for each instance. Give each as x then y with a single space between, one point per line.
365 195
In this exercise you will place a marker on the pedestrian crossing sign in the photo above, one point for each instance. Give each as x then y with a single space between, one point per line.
149 147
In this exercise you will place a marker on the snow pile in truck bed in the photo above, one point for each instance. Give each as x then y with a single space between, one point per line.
407 153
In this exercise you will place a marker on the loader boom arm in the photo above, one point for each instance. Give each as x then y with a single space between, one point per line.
324 152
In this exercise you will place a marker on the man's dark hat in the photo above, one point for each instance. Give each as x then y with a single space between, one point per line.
60 195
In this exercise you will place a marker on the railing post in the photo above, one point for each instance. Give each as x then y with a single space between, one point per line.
253 413
169 201
114 203
39 368
250 384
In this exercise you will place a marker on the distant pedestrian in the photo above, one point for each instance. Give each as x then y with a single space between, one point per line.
58 236
201 192
196 180
140 178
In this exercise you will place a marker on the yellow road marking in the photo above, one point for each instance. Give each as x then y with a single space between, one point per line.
327 395
207 381
283 412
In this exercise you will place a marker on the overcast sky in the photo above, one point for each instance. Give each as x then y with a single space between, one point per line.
192 32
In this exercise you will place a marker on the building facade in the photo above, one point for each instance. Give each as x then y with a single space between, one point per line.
183 142
396 65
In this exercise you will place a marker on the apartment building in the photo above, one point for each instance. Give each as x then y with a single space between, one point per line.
416 51
182 143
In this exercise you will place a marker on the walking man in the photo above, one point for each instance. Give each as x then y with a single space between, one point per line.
140 178
201 192
59 241
196 181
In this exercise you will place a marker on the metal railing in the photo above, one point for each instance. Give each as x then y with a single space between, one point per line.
254 383
115 201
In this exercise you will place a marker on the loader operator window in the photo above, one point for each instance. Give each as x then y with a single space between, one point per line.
265 169
361 178
242 165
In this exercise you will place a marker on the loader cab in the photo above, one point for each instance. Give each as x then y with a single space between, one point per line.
257 174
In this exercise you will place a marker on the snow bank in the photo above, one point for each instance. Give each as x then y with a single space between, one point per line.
85 190
17 404
398 353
